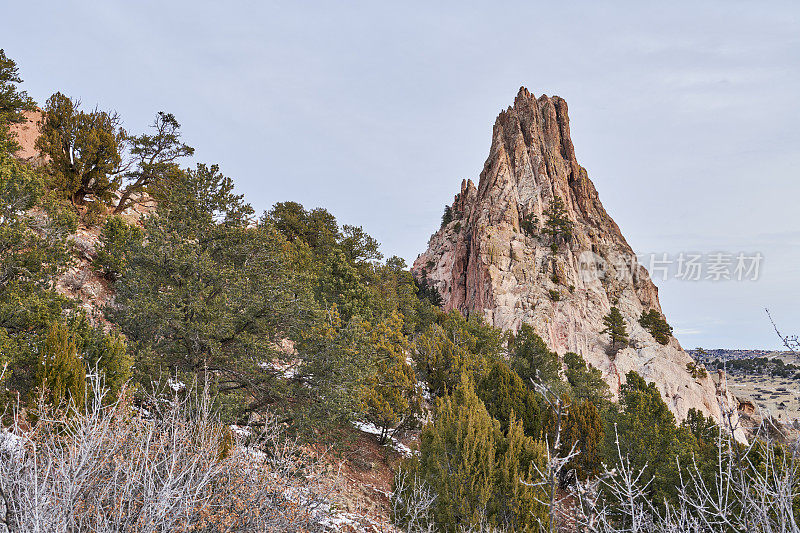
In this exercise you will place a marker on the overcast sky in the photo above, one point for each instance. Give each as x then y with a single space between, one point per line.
684 114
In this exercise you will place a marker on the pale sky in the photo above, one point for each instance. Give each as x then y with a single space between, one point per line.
685 114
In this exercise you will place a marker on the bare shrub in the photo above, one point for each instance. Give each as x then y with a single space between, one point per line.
109 469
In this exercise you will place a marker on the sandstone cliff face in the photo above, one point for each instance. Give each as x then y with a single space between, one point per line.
483 261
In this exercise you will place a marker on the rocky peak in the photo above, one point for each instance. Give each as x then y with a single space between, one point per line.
496 257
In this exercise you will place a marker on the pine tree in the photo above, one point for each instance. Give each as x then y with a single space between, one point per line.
648 437
615 328
657 325
390 396
154 157
116 239
557 223
209 291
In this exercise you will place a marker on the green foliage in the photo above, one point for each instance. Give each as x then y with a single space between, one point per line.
557 224
116 239
428 291
529 224
334 363
554 295
695 370
505 395
770 366
615 328
84 150
33 252
208 291
390 397
475 469
316 228
105 353
154 157
531 358
648 437
341 284
455 345
583 430
657 325
60 373
13 102
586 382
447 216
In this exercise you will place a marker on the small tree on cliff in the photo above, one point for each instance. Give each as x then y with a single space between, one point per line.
616 329
657 325
557 224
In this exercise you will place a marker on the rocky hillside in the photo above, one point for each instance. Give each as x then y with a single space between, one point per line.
496 258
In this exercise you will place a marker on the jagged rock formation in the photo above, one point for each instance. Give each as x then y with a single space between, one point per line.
484 261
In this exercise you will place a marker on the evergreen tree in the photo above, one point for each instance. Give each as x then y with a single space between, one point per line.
61 374
390 397
657 325
505 394
209 291
457 457
33 252
616 328
557 223
479 473
648 437
587 382
332 367
531 358
455 345
447 216
84 149
116 239
154 157
583 429
13 102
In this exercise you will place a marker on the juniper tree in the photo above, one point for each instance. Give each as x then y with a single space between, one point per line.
390 396
60 373
33 253
506 395
480 474
85 149
13 102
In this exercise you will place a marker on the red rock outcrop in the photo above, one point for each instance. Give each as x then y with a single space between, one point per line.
483 261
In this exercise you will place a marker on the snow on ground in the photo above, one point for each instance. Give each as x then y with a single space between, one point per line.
372 429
